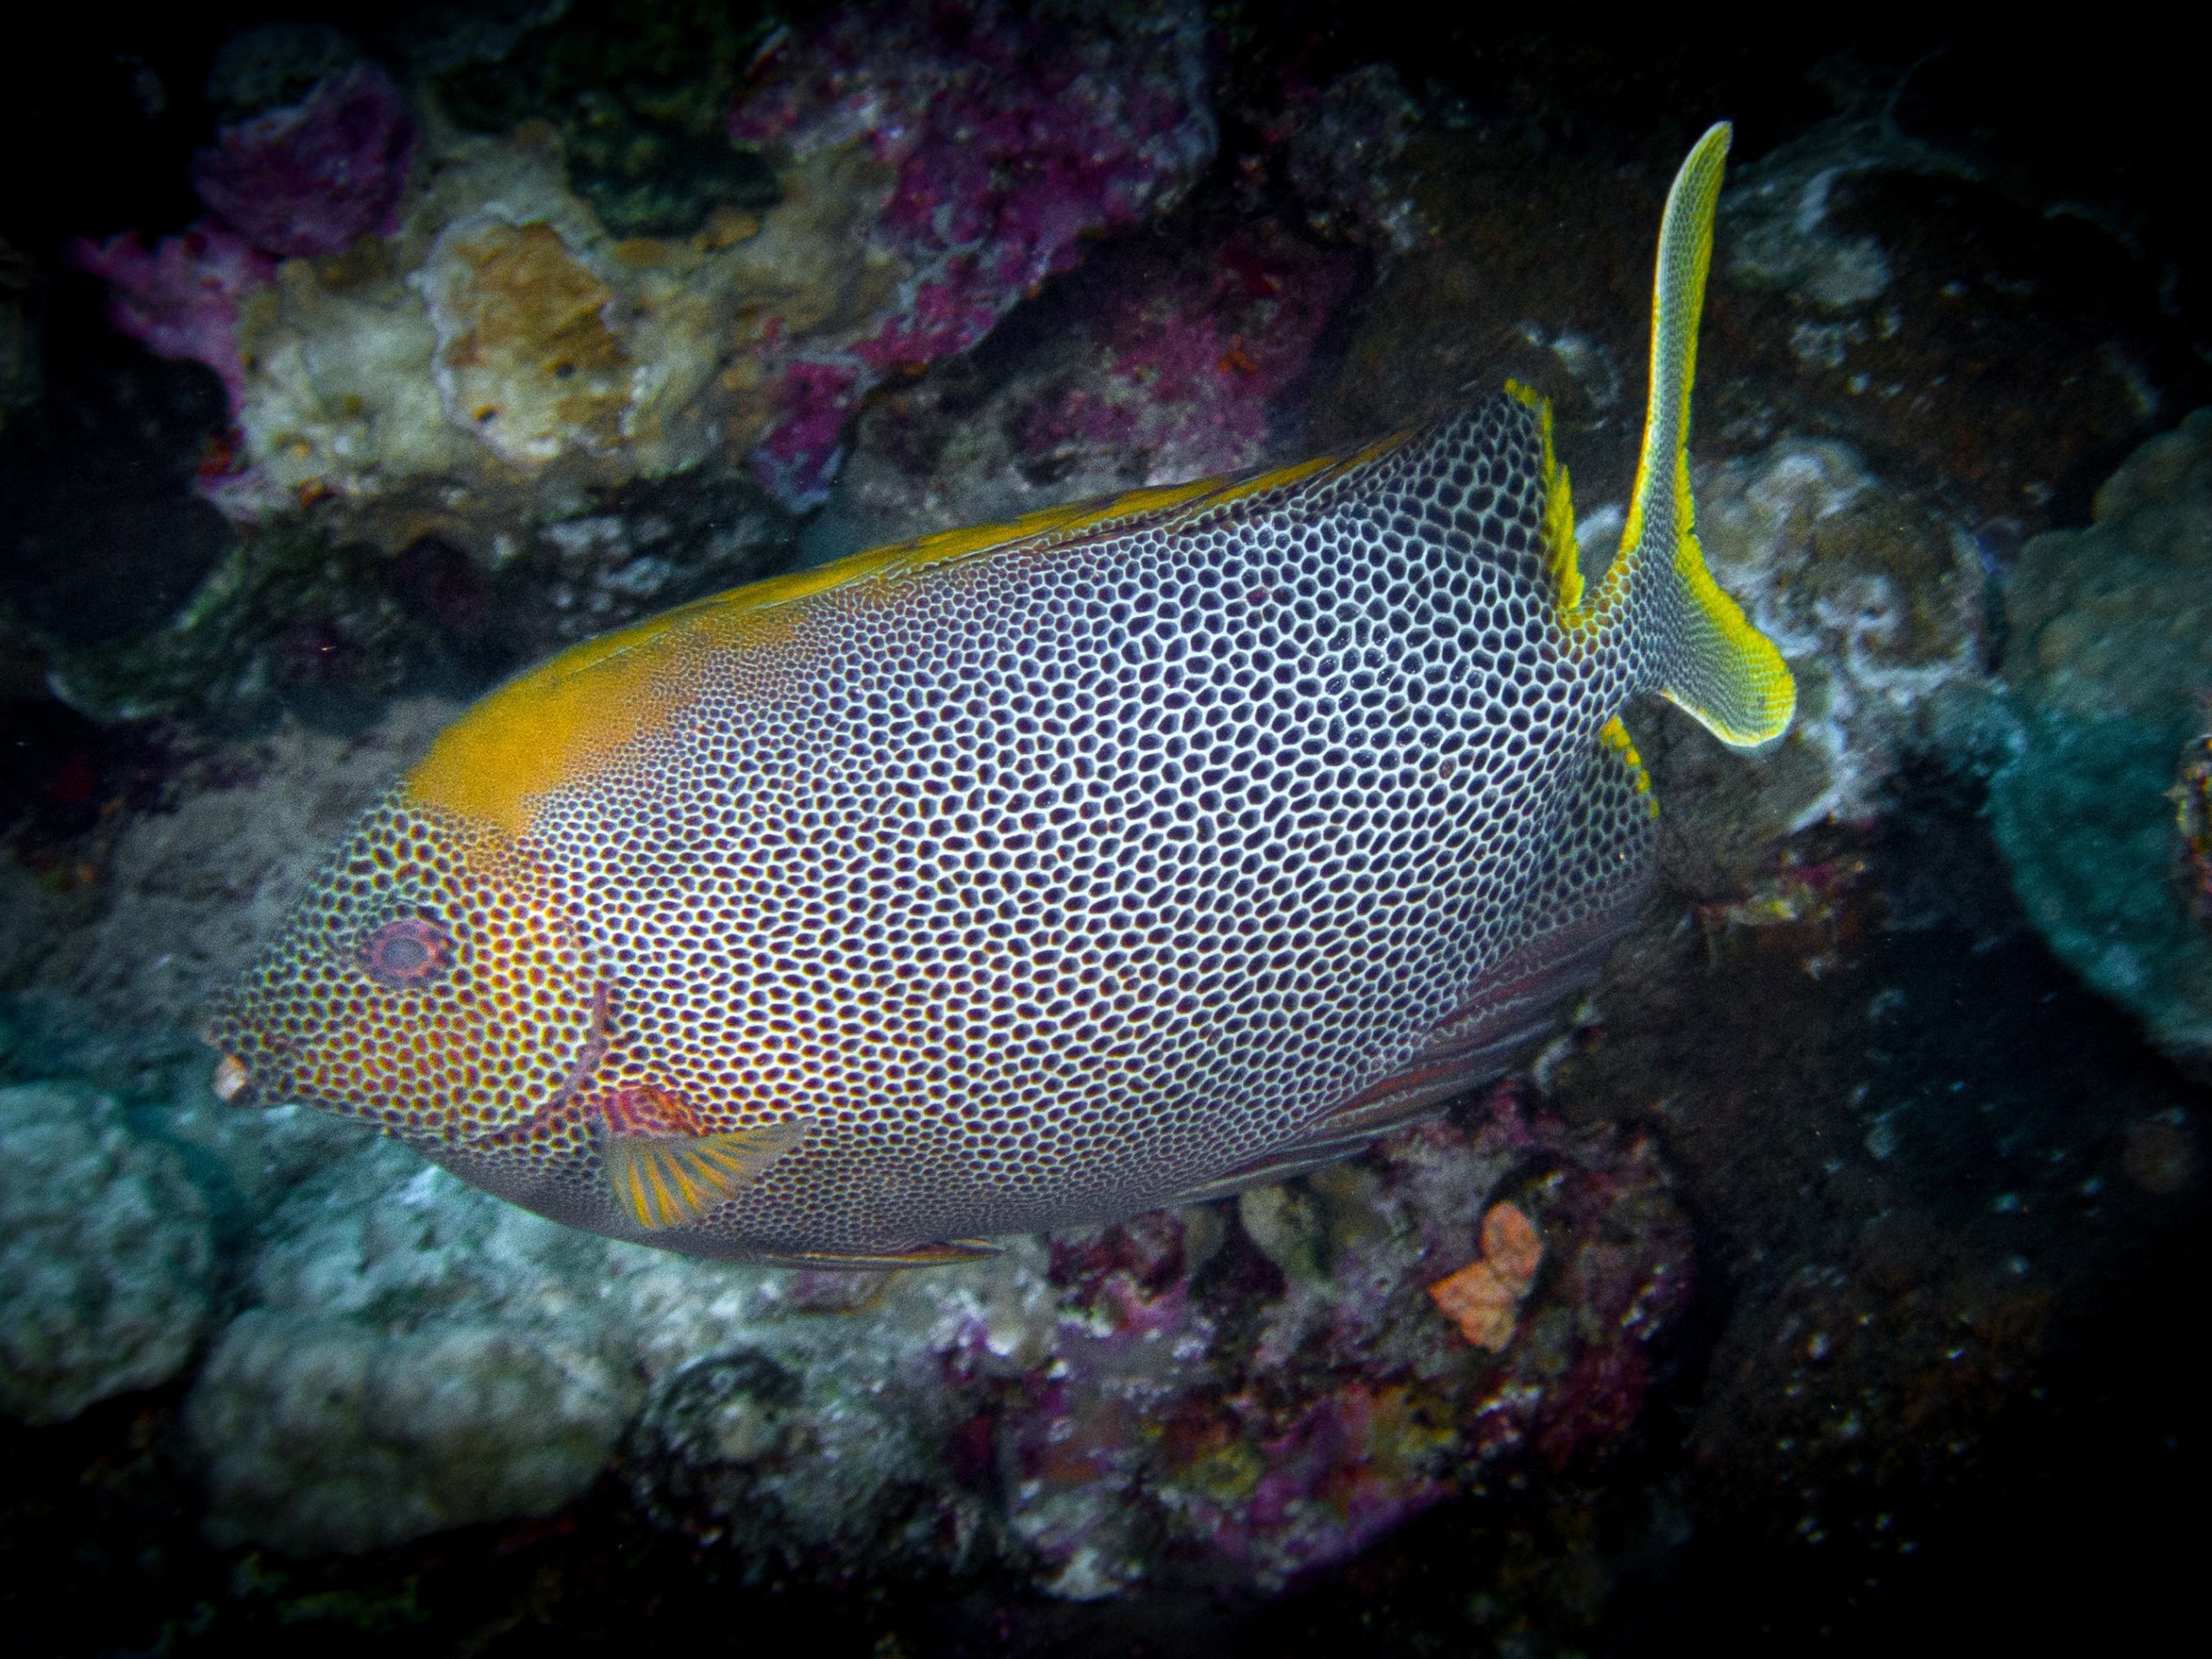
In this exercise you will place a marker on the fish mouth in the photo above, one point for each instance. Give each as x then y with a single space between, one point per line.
234 1083
241 1079
231 1080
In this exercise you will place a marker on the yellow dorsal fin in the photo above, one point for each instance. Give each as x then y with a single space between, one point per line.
670 1180
555 723
1703 653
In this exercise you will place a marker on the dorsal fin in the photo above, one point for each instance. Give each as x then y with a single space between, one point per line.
552 724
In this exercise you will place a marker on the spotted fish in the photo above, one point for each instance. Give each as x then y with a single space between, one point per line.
1127 855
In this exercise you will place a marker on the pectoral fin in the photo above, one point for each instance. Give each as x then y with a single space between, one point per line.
668 1180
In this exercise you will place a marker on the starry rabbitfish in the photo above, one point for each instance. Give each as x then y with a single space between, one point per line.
1125 855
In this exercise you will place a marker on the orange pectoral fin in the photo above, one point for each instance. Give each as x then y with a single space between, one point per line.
669 1180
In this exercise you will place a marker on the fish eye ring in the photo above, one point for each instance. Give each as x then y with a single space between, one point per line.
407 951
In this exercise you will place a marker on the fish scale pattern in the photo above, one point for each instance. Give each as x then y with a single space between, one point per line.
1049 887
1030 887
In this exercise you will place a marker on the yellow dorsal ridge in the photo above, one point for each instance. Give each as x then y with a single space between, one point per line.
1695 644
560 723
1562 558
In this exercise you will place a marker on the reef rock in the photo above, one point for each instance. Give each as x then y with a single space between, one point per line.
1230 1396
2109 661
1226 1397
1877 601
1154 366
444 368
417 1360
106 1263
467 355
190 890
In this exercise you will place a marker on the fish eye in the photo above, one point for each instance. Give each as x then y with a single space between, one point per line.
407 951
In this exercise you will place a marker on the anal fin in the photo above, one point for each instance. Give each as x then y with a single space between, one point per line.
666 1180
938 1255
1269 1170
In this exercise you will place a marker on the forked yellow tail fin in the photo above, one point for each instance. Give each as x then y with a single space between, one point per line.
1703 652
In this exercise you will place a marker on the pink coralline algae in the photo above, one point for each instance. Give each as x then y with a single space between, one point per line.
1010 139
303 179
310 178
1188 370
182 299
1244 1405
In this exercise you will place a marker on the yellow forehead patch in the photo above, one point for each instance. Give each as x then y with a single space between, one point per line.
558 723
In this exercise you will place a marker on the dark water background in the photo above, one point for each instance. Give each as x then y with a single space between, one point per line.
2051 1493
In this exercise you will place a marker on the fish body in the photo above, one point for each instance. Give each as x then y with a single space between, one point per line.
1125 855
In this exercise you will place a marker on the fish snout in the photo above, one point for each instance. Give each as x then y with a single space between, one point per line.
233 1083
237 1080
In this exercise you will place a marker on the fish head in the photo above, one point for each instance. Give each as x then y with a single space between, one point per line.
432 983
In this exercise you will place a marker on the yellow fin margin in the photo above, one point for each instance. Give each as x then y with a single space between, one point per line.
1708 658
1562 558
555 724
1614 735
667 1182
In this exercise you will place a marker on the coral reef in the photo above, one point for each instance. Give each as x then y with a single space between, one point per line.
922 192
184 894
1341 155
1886 291
1867 288
640 96
310 178
1877 600
1784 237
414 1359
475 371
1175 1400
182 296
1164 1399
106 1263
1005 149
1483 1298
1155 365
305 178
2192 799
1522 265
2110 653
102 538
1913 1149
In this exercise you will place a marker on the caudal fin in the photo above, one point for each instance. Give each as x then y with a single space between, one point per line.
1698 648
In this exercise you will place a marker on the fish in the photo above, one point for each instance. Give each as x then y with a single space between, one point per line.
1126 855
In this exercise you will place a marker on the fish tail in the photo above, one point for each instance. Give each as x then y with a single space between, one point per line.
1690 640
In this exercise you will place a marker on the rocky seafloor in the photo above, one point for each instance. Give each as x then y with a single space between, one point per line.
1833 1276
